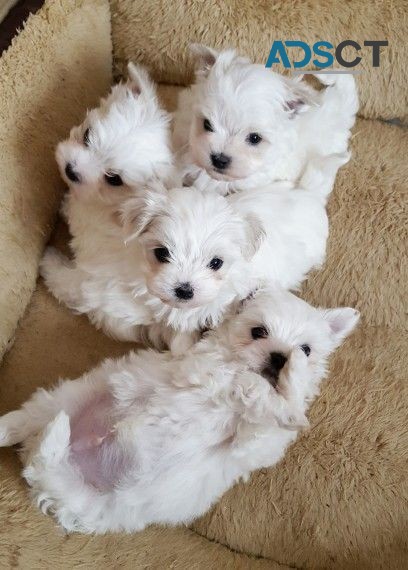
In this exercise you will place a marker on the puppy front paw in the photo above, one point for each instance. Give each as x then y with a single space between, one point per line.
294 374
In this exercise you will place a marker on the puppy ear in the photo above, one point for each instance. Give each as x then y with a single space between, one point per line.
139 81
299 97
242 303
204 58
254 235
341 321
139 211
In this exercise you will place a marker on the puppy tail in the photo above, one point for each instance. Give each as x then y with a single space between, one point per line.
320 173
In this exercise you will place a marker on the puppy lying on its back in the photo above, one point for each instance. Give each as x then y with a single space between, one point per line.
152 439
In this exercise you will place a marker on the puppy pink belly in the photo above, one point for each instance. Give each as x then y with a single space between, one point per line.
94 448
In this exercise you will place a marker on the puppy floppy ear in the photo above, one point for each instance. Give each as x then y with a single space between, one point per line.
204 58
254 235
341 321
139 211
299 97
139 81
242 303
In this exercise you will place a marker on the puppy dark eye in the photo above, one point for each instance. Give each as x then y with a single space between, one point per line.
254 138
259 332
306 349
113 179
208 126
86 137
162 254
215 264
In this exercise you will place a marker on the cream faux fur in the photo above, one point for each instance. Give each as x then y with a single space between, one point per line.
339 500
58 65
157 33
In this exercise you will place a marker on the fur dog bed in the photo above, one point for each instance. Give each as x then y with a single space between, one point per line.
339 499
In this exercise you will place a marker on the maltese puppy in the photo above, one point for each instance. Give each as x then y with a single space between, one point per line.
118 149
120 145
242 125
175 268
155 439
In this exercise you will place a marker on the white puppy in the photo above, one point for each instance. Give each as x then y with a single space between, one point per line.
151 439
120 145
242 125
118 149
178 271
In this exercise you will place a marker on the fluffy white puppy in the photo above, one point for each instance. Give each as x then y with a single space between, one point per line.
177 273
121 146
151 439
242 125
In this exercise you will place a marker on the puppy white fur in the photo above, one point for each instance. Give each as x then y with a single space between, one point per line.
295 223
166 275
191 255
242 125
120 145
118 149
152 439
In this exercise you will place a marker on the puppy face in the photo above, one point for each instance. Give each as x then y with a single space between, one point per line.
244 115
120 144
273 324
192 242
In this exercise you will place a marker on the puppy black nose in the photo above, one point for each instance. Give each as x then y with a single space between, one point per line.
184 291
220 161
277 361
71 174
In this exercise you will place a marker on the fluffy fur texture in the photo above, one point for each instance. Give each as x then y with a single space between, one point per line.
151 439
251 27
294 221
121 146
125 285
242 125
73 74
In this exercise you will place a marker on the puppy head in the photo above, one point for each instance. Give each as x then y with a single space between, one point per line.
192 242
245 115
120 144
275 323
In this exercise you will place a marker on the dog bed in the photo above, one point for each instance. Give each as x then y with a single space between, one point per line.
339 499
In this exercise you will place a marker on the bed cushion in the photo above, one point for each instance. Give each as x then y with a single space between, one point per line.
57 66
158 32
